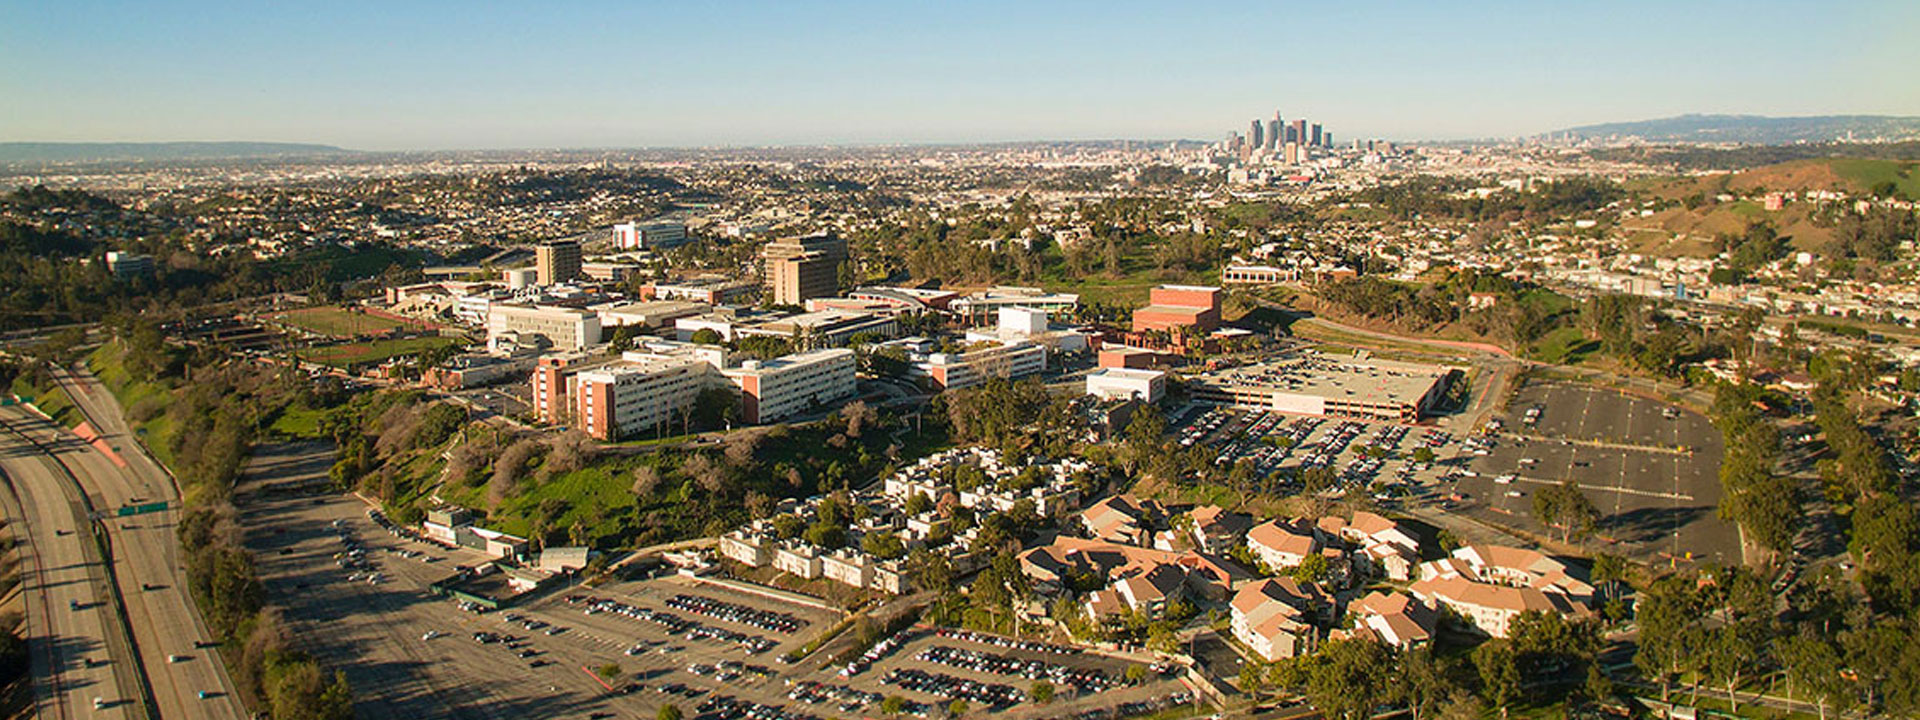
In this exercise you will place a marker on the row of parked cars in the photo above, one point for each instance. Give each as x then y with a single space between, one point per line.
764 619
873 654
727 707
1006 642
996 664
847 699
674 624
995 695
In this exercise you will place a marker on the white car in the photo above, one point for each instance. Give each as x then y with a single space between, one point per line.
431 634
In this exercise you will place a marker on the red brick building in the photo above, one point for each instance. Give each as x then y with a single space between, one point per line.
1172 306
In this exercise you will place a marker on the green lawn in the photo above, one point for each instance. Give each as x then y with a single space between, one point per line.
1867 173
373 352
1563 346
51 400
157 432
298 422
336 322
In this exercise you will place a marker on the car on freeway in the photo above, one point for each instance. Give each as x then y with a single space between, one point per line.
431 634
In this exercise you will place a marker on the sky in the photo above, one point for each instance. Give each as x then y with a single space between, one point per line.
403 75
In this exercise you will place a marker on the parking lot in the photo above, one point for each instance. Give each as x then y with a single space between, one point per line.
356 596
1650 469
1377 458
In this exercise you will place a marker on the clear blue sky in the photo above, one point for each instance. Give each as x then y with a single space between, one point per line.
429 75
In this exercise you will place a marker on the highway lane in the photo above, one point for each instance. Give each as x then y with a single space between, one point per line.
71 661
147 561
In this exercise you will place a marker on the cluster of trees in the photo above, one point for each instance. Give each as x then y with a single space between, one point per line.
1442 198
1759 245
1544 657
1720 628
1019 418
1765 503
1884 531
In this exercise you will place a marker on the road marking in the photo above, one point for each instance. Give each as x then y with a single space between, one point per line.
1602 488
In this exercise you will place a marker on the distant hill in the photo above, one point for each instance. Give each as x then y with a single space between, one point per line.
1755 129
54 152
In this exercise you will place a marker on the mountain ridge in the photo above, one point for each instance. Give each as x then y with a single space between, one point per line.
70 152
1753 129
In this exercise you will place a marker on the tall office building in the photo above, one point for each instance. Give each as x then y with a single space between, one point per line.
1273 132
1298 131
557 261
803 267
1258 135
1315 142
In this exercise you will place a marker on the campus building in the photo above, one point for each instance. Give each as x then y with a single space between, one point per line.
948 371
803 267
1314 385
638 394
654 235
1122 383
775 389
1177 306
984 307
559 328
557 261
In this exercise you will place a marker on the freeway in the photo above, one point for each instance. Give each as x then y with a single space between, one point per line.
188 681
74 661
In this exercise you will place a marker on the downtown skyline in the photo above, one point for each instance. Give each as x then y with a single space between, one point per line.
436 77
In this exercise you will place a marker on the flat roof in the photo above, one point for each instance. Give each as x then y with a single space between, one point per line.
1346 380
1173 310
1202 288
1127 373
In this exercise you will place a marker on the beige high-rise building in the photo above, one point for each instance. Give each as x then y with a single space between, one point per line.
803 267
557 261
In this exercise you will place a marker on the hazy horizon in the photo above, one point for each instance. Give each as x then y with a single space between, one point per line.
613 76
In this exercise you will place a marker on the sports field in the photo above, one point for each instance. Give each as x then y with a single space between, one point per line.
375 351
337 322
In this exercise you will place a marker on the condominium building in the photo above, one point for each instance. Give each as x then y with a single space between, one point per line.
557 261
803 267
775 389
558 328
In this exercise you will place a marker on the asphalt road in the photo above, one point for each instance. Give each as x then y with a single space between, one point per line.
71 662
147 561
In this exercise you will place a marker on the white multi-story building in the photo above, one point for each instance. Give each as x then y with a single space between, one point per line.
1123 383
791 385
948 371
654 235
561 328
642 393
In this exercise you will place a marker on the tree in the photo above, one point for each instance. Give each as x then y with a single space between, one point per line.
892 705
957 708
1351 678
1313 569
1135 673
883 545
608 671
1251 678
1424 681
1042 692
706 336
668 712
1499 672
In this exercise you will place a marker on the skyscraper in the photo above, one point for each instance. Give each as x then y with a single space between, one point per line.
1273 132
1298 131
557 261
1259 140
1316 136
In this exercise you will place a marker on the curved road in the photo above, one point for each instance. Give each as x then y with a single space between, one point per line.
147 560
69 648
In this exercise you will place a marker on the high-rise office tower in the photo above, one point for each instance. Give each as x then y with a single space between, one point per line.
1316 136
1259 139
1299 132
1273 132
557 261
803 267
1329 138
